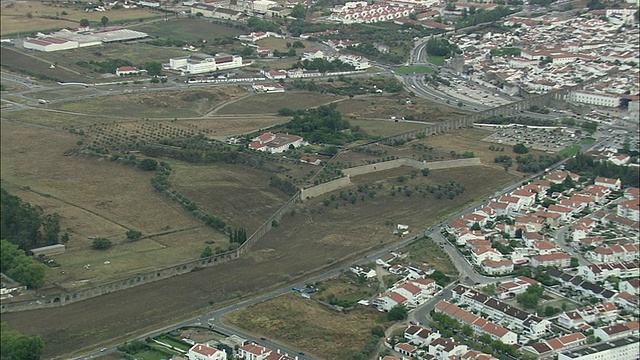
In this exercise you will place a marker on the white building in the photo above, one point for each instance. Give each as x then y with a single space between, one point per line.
203 63
204 352
629 209
622 349
49 43
253 352
592 98
275 143
261 6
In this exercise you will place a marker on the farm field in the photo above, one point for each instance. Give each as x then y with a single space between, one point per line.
309 325
153 104
396 105
35 66
55 118
14 18
222 126
384 128
271 103
54 180
470 140
237 193
190 30
301 243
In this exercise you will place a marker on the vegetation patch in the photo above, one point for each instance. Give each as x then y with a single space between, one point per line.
415 69
309 325
271 103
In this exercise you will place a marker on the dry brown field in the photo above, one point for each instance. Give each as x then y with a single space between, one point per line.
237 193
309 325
223 126
384 107
14 17
34 65
271 103
301 243
153 104
55 118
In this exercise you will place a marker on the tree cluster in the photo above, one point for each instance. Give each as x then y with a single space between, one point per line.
486 16
257 24
523 120
520 149
16 346
585 165
104 67
18 266
529 164
442 47
238 235
323 65
322 125
531 297
26 225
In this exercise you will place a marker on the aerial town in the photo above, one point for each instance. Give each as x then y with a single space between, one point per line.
321 179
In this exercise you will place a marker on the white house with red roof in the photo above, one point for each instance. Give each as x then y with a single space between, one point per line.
600 272
388 300
609 253
598 192
529 223
128 70
517 286
500 208
629 209
630 286
479 324
485 253
254 351
446 349
552 219
581 228
617 331
564 212
513 203
205 352
536 189
477 355
497 267
632 193
419 335
543 247
528 197
274 74
613 184
468 235
275 143
405 349
558 177
474 218
577 203
559 259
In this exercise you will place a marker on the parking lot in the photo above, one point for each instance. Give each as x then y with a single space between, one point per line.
541 138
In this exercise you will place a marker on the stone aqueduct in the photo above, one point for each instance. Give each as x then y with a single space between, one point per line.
183 268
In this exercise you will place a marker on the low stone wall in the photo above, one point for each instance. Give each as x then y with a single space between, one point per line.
325 188
386 165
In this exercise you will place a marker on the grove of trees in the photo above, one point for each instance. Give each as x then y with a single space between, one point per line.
17 265
26 225
16 346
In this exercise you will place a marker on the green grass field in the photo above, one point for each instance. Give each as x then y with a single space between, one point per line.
570 150
414 69
384 128
191 30
436 60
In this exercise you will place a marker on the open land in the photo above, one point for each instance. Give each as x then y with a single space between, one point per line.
271 103
237 193
156 104
190 30
14 17
309 325
35 65
386 107
301 243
